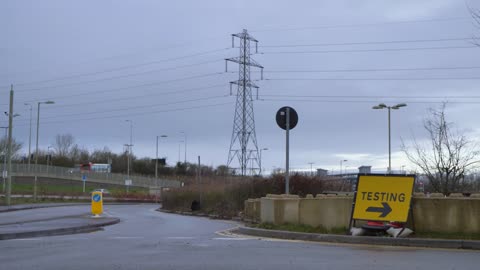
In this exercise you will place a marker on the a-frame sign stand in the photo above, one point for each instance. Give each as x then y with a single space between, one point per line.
384 198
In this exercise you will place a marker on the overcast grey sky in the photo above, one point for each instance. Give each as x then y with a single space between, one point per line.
160 64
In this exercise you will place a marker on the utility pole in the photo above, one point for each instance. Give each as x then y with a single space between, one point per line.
9 150
4 170
30 136
199 180
243 132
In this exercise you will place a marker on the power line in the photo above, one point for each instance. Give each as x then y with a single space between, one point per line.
366 96
83 93
365 101
133 114
364 43
136 107
357 25
372 79
372 69
110 100
373 50
119 77
123 67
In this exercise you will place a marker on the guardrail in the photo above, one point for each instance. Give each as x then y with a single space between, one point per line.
72 174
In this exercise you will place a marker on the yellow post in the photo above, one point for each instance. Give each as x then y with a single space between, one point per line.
97 203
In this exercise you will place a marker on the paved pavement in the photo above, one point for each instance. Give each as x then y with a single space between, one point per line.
147 239
37 220
17 207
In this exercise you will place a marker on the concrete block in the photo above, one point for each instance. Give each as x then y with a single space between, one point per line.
419 194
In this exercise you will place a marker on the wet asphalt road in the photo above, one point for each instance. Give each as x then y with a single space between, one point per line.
146 239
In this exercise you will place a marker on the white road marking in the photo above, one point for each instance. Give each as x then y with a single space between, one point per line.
27 239
200 245
231 238
180 237
127 237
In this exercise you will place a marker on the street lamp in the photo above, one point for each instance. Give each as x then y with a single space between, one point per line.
49 157
36 150
156 156
179 147
263 149
129 148
311 168
341 163
185 140
29 136
396 107
4 171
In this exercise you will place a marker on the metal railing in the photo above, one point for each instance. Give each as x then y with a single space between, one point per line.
72 174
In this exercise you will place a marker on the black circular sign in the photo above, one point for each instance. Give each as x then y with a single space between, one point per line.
281 118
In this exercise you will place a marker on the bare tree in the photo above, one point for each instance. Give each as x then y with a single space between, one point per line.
16 146
475 13
447 155
63 144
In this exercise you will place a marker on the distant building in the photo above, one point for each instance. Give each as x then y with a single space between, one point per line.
322 172
364 169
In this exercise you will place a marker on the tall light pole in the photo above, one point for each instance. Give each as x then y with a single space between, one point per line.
129 148
49 157
179 147
185 140
30 136
263 149
156 156
311 168
396 107
341 163
4 171
36 148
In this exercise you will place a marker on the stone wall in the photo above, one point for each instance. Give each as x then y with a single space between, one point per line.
454 214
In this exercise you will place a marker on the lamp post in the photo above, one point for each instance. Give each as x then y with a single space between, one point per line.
179 148
341 163
263 149
156 156
129 149
4 171
311 168
185 140
36 148
49 157
395 107
30 136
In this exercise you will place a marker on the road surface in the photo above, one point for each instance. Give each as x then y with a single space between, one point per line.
147 239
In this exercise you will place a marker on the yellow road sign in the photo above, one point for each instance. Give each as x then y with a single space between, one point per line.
97 203
383 197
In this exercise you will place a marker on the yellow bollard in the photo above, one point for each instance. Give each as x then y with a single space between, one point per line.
97 203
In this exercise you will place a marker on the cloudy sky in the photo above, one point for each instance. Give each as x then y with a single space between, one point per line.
161 65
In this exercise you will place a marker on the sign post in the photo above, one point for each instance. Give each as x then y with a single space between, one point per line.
287 118
128 182
97 203
383 198
84 180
